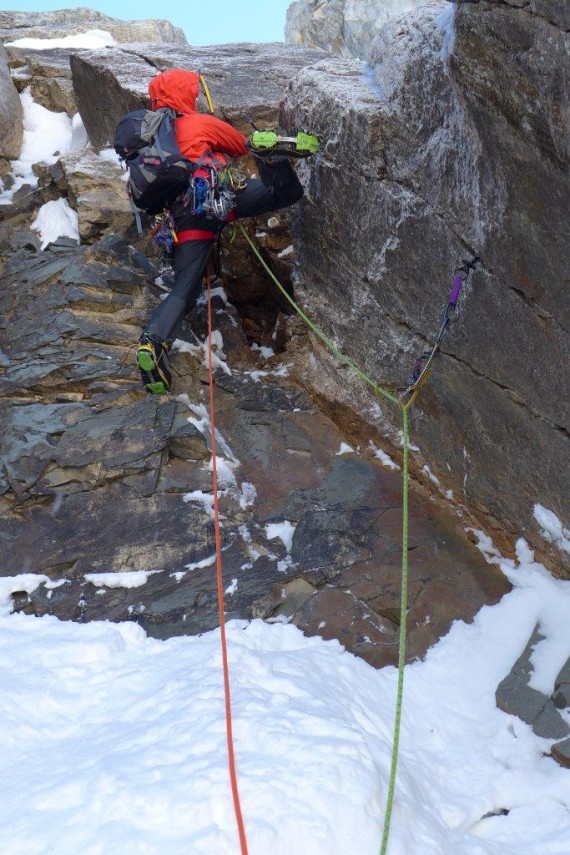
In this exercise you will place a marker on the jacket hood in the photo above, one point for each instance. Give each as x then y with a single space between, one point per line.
175 88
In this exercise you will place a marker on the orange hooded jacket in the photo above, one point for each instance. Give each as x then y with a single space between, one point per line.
200 136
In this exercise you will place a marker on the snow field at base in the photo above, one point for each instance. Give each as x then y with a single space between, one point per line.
114 742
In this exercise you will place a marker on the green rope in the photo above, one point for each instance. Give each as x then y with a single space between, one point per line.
342 357
405 532
402 640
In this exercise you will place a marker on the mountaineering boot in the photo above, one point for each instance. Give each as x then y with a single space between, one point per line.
153 365
268 143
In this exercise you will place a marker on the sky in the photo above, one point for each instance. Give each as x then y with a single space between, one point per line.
203 24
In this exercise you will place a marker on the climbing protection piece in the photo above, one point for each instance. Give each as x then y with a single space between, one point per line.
267 143
422 365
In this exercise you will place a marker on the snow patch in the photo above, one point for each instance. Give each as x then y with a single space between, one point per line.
127 579
47 136
91 39
384 458
345 449
56 219
283 531
445 24
26 582
204 499
551 528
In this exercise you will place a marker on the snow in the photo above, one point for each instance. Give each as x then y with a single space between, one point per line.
56 219
25 582
205 562
247 496
446 29
218 355
47 135
282 531
280 371
264 352
204 499
551 528
114 742
127 579
345 448
201 421
110 156
92 39
384 458
433 478
224 471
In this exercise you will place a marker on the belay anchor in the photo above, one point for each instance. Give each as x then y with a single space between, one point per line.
423 363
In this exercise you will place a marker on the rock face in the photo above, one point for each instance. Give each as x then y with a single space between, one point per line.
11 119
455 143
246 81
542 713
67 22
94 188
343 27
98 477
48 75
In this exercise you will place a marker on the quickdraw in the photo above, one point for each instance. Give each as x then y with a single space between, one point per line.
212 193
163 233
450 315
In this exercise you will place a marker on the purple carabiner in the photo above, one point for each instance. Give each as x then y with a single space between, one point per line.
454 293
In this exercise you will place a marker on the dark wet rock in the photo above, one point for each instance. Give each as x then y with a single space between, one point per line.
554 11
98 477
449 149
515 696
549 723
562 687
11 114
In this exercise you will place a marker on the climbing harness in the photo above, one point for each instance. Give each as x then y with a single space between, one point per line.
450 315
163 234
212 191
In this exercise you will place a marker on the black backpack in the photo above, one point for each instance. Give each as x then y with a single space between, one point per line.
158 171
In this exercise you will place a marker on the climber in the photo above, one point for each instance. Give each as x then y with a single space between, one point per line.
209 141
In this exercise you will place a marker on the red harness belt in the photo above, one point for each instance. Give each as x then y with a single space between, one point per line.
195 234
201 234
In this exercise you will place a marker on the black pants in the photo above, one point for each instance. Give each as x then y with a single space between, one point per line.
277 187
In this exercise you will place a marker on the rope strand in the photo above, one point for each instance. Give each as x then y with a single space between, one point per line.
403 634
403 407
220 587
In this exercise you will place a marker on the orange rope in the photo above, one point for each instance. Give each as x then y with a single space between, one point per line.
220 581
